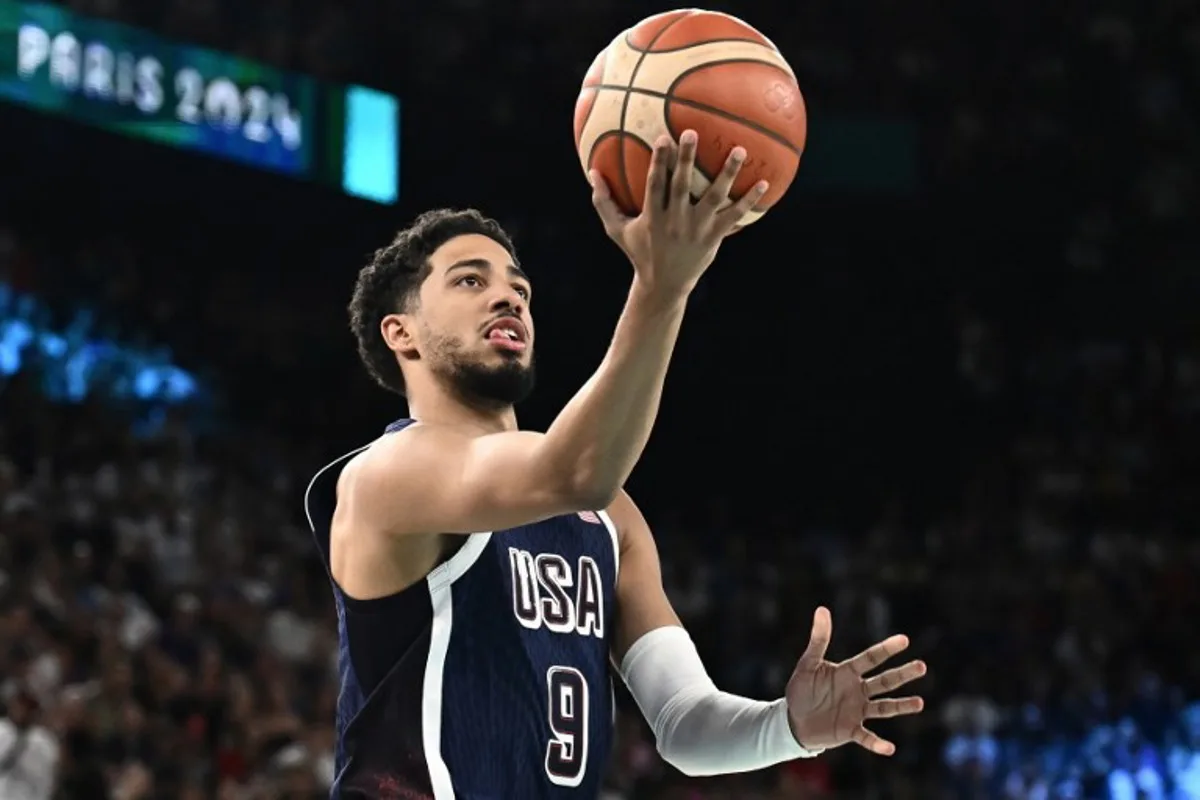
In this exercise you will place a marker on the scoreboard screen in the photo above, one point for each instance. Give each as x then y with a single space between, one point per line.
137 84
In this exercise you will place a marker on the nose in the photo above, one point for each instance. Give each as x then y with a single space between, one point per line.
507 299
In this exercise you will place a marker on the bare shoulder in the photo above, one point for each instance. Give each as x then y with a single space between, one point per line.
430 479
424 448
414 442
416 449
365 559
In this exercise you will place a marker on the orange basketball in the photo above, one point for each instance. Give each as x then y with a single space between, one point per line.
702 70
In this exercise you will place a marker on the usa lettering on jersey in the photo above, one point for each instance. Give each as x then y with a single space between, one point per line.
548 593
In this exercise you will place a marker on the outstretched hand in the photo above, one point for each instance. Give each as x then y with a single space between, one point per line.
674 240
829 703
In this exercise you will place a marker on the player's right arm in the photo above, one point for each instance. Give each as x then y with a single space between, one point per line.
430 479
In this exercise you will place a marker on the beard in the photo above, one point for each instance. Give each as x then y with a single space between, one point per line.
479 384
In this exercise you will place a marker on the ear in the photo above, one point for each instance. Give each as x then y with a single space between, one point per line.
399 332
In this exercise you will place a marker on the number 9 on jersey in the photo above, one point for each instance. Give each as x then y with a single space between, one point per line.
567 751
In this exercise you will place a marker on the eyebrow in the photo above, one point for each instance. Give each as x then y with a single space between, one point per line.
482 263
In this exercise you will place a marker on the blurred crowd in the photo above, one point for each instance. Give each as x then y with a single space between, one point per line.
165 631
165 627
160 632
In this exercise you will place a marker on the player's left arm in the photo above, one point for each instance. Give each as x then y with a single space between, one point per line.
701 730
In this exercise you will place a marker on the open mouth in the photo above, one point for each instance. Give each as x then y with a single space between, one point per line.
508 334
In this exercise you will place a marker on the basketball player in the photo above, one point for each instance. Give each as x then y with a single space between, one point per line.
485 576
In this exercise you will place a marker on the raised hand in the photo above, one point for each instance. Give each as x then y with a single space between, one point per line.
674 240
828 703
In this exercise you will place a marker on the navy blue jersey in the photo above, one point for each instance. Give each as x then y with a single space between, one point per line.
488 679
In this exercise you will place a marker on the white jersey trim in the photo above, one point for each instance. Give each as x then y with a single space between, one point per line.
337 461
439 582
616 546
616 543
441 597
456 566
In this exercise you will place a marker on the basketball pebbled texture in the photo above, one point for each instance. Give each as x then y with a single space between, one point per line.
693 69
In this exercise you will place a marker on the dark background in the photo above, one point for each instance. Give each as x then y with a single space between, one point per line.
952 393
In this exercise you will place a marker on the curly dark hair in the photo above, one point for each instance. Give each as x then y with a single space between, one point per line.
391 281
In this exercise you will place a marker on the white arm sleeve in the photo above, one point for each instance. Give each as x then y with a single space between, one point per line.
699 729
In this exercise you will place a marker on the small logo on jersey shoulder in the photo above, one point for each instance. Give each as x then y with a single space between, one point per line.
590 516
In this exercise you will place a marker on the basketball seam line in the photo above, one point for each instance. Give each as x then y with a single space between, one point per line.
625 103
692 70
683 47
629 90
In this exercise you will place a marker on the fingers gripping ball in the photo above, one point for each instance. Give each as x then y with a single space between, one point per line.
702 70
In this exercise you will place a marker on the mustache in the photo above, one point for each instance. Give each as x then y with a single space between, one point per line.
504 315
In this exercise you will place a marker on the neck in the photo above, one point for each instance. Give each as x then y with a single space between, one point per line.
435 405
